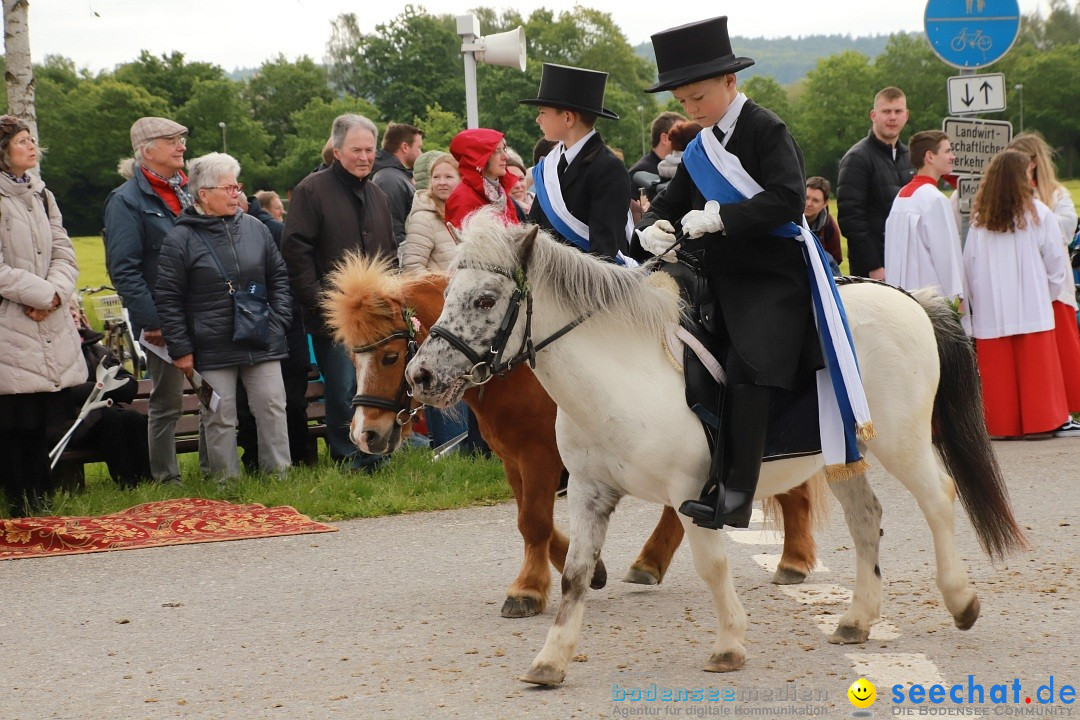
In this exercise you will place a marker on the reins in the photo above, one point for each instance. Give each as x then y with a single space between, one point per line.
491 361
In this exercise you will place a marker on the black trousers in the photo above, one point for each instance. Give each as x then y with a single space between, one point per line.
24 470
120 436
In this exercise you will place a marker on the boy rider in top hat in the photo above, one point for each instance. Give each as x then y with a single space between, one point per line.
582 189
759 276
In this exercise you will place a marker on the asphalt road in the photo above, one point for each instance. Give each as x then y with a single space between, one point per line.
399 617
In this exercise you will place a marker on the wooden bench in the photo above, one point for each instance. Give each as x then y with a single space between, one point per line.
69 472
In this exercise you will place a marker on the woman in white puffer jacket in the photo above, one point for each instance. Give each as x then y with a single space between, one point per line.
428 245
40 353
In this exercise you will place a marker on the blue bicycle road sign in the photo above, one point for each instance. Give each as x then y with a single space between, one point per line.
971 33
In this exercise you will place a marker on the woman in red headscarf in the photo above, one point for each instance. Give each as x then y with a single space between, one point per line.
481 156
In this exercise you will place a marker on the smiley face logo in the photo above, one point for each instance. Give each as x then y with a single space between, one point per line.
862 693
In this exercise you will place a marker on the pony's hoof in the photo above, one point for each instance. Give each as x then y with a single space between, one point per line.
967 618
849 635
599 576
546 675
519 607
726 662
638 576
787 576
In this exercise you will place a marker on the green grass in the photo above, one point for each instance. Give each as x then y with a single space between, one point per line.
408 482
90 253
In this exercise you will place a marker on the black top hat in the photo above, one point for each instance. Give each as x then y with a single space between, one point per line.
562 86
694 52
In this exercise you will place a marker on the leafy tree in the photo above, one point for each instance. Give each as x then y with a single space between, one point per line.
404 66
313 124
87 131
279 89
439 126
765 91
169 76
834 110
216 101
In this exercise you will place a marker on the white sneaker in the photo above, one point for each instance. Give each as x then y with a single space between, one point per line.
1069 429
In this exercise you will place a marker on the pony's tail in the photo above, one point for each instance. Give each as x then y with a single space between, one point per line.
961 438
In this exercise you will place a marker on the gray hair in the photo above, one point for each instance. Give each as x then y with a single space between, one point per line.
205 171
126 167
344 123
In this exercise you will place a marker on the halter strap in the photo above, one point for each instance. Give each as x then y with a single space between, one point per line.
491 361
402 403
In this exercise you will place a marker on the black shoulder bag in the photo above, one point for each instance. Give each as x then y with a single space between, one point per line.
251 309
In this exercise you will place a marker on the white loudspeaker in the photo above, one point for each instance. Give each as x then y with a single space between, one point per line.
506 48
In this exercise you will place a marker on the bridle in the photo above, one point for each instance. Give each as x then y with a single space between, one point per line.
490 364
402 404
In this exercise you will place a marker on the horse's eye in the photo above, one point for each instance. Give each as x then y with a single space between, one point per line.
389 358
485 302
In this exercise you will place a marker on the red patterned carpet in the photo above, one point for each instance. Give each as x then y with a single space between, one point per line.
170 522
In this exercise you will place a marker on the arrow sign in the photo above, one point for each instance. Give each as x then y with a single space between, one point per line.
976 93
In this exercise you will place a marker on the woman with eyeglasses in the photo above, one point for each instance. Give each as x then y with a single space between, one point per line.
40 352
214 251
481 156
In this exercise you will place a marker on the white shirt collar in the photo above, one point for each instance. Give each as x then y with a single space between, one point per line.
727 123
572 152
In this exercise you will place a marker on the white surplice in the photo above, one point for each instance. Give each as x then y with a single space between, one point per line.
922 244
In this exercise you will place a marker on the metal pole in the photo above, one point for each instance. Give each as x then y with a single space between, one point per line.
468 27
224 147
1019 87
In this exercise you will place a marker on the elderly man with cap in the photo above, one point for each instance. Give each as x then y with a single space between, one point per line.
138 215
582 189
737 198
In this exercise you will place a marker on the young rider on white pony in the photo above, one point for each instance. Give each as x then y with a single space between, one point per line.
749 245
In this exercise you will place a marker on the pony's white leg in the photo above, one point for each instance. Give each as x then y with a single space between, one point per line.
935 492
591 505
711 563
862 512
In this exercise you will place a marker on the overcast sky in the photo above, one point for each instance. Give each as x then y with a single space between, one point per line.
234 33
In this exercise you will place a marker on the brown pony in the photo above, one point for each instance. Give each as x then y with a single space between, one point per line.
376 312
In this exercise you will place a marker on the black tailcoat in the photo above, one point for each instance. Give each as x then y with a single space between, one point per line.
760 280
596 190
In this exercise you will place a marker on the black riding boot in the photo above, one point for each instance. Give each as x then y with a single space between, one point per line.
728 496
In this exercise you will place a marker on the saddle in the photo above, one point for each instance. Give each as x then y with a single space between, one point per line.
793 428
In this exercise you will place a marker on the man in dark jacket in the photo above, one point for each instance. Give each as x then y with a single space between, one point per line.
582 189
332 212
871 174
392 171
661 148
138 215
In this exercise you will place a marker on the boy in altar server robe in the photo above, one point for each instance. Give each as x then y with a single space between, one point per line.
922 244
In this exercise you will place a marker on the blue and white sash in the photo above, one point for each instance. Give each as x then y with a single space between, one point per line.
549 195
842 409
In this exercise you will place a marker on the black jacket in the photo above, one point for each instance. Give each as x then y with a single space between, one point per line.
394 179
596 190
760 280
865 189
193 299
648 163
332 212
275 226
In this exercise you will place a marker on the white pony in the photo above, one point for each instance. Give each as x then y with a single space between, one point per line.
623 427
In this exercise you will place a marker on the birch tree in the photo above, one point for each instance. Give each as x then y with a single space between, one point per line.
20 73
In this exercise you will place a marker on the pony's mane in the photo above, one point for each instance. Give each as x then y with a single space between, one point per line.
582 284
364 297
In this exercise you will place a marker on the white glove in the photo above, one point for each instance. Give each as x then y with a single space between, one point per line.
700 222
657 238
